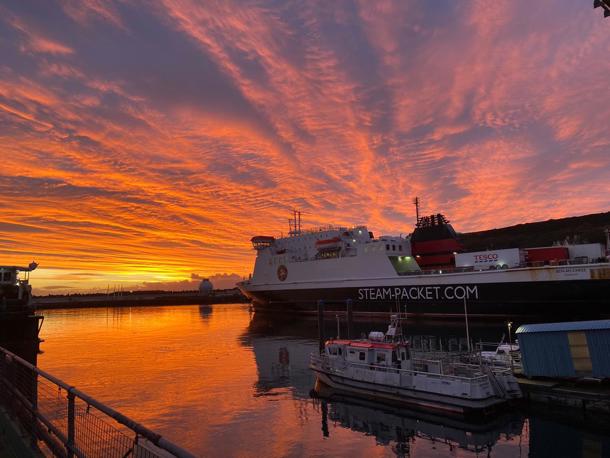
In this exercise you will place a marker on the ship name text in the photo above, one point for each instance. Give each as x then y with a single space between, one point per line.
419 293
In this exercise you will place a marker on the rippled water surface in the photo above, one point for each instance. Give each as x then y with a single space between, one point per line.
220 382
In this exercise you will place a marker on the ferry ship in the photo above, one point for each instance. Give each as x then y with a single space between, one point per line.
425 274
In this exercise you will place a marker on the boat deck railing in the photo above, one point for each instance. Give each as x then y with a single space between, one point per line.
63 421
323 361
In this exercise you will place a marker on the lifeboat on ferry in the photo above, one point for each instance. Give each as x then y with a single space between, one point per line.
332 244
262 241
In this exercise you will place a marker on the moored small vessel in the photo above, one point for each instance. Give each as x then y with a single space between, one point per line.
18 322
383 368
15 289
505 354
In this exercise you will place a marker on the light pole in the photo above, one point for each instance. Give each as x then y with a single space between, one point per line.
467 330
338 326
510 347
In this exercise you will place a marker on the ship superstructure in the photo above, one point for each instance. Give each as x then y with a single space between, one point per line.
15 288
18 322
426 273
330 253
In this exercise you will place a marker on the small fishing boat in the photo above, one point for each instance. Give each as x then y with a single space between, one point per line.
383 368
505 354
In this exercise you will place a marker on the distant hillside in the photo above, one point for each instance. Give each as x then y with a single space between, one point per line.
577 229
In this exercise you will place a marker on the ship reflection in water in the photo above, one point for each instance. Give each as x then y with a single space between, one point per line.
402 429
221 381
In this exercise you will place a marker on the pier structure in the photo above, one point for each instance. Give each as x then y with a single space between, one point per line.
44 416
138 298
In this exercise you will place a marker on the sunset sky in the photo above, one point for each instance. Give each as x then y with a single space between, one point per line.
146 142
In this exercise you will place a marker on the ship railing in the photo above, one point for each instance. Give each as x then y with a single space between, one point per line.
324 362
329 227
479 367
63 421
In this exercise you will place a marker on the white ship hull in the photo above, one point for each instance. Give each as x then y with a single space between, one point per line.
292 274
574 291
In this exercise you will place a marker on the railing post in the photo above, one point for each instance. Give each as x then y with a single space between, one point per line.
321 325
350 318
70 445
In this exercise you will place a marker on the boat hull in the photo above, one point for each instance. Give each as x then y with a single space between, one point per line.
19 327
573 299
447 405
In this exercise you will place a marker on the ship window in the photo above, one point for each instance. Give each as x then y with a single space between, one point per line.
380 357
351 352
400 247
361 356
394 357
387 247
393 247
402 355
7 276
340 350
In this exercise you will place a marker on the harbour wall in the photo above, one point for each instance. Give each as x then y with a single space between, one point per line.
138 299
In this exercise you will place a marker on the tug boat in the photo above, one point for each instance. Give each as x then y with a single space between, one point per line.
15 289
18 321
382 368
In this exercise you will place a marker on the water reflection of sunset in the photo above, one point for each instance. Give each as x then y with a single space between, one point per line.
142 145
174 370
200 377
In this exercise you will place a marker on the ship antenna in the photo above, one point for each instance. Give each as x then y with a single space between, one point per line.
416 202
299 227
294 223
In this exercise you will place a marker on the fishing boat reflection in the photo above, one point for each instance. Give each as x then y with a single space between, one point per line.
401 428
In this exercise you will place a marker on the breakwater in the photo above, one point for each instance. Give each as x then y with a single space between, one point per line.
129 299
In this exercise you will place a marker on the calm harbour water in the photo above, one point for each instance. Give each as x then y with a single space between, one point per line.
221 382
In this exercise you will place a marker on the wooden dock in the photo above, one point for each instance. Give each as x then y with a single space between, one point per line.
588 395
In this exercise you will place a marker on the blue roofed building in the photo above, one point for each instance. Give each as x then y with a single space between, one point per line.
566 350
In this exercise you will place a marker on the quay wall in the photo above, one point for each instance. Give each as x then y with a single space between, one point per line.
136 299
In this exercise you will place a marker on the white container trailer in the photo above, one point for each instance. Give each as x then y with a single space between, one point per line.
482 260
591 251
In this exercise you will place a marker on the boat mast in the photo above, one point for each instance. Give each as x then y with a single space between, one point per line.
416 202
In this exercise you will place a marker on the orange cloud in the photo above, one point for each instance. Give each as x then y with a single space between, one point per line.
147 144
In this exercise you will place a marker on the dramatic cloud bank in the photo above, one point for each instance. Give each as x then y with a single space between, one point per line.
143 141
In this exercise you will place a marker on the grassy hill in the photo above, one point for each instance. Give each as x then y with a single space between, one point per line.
577 229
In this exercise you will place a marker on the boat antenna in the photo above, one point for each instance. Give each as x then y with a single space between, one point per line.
416 203
467 330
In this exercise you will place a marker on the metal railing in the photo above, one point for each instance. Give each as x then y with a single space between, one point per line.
324 362
63 421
